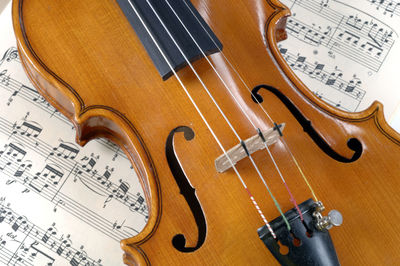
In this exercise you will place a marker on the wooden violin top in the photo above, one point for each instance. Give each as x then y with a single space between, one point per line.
87 61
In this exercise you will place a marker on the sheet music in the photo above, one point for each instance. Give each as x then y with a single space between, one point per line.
347 51
60 204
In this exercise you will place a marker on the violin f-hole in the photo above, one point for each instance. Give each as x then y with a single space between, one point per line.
187 191
353 143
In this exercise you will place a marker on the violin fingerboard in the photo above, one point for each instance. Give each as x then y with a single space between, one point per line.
149 29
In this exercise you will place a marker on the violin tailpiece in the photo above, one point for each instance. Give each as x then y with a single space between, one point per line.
307 245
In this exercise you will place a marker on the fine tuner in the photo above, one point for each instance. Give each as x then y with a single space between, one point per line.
334 217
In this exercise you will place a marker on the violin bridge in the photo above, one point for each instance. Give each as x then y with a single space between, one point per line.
252 144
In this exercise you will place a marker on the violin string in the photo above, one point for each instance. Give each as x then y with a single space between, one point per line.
222 113
204 120
292 199
258 103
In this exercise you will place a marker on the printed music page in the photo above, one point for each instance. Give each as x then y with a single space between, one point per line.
60 204
347 52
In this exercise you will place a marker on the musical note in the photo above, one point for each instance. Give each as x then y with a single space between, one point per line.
391 8
314 35
331 77
104 179
138 204
91 162
59 202
362 39
78 258
40 257
15 151
26 166
118 192
299 63
2 243
50 233
317 70
387 7
4 214
379 35
352 85
118 226
349 37
359 39
12 152
50 173
36 246
65 244
66 150
355 22
20 221
29 128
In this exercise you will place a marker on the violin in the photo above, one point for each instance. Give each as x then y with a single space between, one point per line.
236 157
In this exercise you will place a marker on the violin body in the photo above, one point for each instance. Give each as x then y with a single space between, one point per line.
86 60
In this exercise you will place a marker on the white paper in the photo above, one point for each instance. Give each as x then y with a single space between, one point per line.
346 52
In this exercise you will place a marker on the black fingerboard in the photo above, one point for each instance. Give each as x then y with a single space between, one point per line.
192 20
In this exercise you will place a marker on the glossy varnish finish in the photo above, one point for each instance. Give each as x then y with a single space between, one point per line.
84 57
